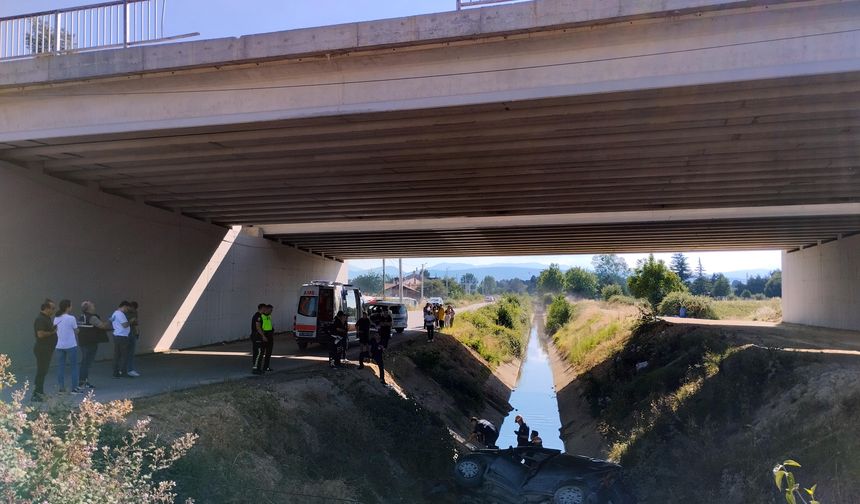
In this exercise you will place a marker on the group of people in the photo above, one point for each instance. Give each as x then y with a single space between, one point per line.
58 331
437 316
371 346
485 432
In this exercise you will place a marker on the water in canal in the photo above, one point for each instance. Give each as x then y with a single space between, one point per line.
534 398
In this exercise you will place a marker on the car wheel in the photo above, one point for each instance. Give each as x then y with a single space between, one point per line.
399 330
303 345
469 471
572 494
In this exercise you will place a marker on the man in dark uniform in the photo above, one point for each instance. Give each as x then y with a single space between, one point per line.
484 431
384 327
258 341
46 340
269 333
522 431
339 333
362 329
378 353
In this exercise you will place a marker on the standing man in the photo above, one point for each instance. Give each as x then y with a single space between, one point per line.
67 346
93 332
384 329
46 340
378 353
121 331
429 324
269 332
132 339
522 431
339 332
484 431
362 329
258 341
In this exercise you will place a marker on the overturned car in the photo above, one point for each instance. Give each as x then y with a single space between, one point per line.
539 475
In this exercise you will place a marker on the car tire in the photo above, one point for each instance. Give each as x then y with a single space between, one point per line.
469 471
573 494
303 345
399 330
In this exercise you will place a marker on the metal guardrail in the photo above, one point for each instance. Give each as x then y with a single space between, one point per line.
120 23
464 4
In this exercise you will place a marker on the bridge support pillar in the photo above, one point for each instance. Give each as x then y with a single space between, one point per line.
821 285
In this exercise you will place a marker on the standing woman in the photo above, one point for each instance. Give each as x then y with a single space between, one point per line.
449 316
67 346
440 316
93 332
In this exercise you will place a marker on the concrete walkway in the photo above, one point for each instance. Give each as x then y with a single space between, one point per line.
182 369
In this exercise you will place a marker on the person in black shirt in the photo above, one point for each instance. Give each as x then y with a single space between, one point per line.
339 333
258 341
484 431
536 441
384 327
46 340
522 431
377 351
362 328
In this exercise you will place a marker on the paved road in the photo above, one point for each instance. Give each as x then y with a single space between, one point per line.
181 369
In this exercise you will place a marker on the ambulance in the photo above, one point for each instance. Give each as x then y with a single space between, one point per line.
319 301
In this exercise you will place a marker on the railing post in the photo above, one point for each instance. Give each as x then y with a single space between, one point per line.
57 32
125 23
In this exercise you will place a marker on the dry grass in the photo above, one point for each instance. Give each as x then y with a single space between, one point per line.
596 331
769 310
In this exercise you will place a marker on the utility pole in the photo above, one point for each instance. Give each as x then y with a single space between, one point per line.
422 282
447 292
400 282
383 278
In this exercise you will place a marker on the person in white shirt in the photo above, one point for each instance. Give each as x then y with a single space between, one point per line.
67 346
121 332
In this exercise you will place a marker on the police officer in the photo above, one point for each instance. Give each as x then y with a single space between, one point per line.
339 333
362 328
258 341
269 332
384 327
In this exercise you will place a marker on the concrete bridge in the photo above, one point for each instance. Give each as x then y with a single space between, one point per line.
553 126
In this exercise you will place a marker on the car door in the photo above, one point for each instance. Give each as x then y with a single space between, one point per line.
508 474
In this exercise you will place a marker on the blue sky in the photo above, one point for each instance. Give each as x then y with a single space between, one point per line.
231 18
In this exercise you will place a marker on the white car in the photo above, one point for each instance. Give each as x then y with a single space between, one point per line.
399 314
436 301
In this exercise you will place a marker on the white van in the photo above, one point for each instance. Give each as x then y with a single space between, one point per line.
319 301
399 314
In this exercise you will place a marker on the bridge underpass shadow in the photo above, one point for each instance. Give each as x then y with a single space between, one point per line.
696 413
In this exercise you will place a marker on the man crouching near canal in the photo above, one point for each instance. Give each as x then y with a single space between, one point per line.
484 431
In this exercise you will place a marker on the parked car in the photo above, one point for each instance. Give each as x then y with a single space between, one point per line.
520 475
399 314
489 299
435 301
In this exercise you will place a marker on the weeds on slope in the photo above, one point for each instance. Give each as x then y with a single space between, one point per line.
497 332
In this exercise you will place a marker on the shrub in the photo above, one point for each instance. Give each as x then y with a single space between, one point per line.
759 297
746 294
560 312
622 300
611 290
64 459
547 299
697 306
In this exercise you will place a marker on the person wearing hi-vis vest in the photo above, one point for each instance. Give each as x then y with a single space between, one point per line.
269 332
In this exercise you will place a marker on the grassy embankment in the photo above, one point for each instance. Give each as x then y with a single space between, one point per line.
322 436
768 310
697 415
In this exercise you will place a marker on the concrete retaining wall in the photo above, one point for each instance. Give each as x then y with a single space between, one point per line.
59 240
821 285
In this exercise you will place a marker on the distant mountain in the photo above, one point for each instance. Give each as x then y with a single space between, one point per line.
742 275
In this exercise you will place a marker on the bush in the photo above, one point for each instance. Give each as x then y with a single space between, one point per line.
759 297
65 459
560 312
746 294
547 299
622 300
611 290
697 306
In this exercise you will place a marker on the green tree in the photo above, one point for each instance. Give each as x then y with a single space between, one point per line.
720 286
488 285
369 283
773 287
610 269
653 280
435 288
580 282
41 38
469 282
455 290
611 290
551 279
681 267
